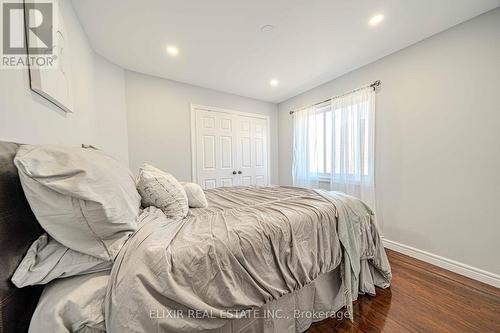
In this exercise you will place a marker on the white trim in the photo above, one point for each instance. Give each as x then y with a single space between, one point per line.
448 264
195 107
217 109
194 177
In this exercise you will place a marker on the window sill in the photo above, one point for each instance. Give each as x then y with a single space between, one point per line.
326 179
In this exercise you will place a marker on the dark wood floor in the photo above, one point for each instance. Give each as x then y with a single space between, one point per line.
422 298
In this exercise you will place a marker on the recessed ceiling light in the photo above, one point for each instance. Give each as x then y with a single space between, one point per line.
375 20
267 28
273 83
172 50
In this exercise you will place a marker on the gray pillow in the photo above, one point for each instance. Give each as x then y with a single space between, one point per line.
75 304
47 260
83 198
163 191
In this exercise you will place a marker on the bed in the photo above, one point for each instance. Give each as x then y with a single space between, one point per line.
273 259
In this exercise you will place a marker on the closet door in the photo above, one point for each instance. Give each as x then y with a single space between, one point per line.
215 149
230 149
252 155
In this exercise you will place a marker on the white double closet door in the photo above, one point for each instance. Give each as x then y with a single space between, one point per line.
230 149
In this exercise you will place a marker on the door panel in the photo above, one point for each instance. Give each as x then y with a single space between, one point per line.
208 152
226 124
246 180
208 122
226 182
259 152
209 183
246 152
227 152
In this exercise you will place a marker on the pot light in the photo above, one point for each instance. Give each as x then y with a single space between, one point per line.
273 83
375 20
172 50
267 28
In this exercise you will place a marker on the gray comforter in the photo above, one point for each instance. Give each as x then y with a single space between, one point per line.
250 246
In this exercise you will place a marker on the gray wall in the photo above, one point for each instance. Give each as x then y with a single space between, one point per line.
98 86
437 141
159 121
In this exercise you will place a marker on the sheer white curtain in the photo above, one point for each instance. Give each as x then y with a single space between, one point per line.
304 126
334 145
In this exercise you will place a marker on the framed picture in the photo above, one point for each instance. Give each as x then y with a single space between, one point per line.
52 81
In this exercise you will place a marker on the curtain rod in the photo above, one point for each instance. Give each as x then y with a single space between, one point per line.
373 85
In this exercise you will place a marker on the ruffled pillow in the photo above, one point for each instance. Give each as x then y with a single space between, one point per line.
161 190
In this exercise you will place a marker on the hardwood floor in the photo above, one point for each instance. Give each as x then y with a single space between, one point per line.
422 298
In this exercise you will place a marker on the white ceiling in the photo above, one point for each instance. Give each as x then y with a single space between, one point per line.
221 45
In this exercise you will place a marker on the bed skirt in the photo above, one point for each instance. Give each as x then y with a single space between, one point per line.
295 312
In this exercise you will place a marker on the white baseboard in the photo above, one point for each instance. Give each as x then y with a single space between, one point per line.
448 264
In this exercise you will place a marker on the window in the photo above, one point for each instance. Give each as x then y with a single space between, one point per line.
339 142
334 141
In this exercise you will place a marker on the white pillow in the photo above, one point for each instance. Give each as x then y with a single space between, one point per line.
47 260
75 304
83 198
196 196
163 191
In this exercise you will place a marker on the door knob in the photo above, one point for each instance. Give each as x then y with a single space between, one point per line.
234 172
239 172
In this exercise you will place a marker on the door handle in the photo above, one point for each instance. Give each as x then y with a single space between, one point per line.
239 172
234 172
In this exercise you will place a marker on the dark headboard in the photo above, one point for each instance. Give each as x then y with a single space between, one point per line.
18 229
